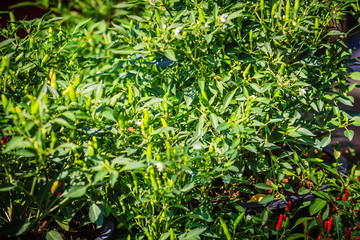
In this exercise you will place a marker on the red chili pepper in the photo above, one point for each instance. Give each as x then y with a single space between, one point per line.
330 223
356 238
288 206
284 217
326 226
319 237
338 198
345 198
348 234
279 224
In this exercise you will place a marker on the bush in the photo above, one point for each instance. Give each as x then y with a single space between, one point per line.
172 120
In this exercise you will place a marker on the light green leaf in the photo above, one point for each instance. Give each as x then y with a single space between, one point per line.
94 212
355 76
349 134
16 143
77 191
53 235
169 53
317 206
228 98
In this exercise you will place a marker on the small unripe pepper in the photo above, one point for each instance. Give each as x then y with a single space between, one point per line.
72 94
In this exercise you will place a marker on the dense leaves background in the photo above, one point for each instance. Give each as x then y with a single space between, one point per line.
140 110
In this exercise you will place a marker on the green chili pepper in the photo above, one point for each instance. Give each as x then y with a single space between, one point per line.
77 81
157 16
204 95
152 178
53 141
169 151
95 143
4 64
164 104
50 33
91 149
88 103
121 120
296 6
287 11
251 39
201 15
237 221
282 69
246 71
45 58
262 8
172 234
149 151
135 180
18 57
34 106
164 124
146 118
316 32
211 148
72 94
31 42
4 100
12 20
225 229
130 95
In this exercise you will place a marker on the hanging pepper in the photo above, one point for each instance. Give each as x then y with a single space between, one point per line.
330 223
72 93
280 221
287 11
4 100
348 233
201 15
296 6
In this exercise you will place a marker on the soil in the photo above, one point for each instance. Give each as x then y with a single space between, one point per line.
76 232
221 193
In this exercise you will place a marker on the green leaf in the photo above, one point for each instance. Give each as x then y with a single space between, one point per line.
94 212
355 76
161 130
17 142
317 206
193 234
305 132
6 42
325 141
349 134
133 166
77 191
267 199
303 191
6 187
214 120
80 25
262 186
156 100
228 98
109 115
53 235
169 53
223 126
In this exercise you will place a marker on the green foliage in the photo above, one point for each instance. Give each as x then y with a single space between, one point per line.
164 114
